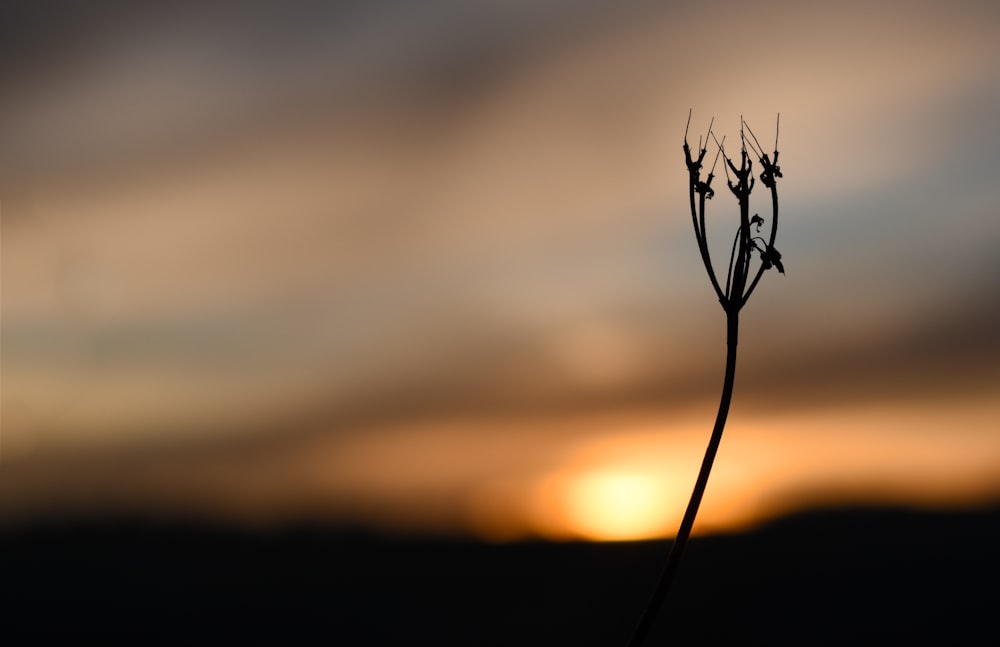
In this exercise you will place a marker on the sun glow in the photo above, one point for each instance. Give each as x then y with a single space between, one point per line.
620 505
635 484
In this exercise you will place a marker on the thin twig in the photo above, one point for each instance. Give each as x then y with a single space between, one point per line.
725 158
743 137
732 256
759 147
771 238
706 256
716 160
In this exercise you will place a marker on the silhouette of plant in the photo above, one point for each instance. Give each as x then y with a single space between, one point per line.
738 287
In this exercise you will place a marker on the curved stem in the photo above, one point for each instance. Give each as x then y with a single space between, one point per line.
677 549
698 218
732 259
742 254
774 234
703 243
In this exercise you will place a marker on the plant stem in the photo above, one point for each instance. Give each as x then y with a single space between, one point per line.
677 549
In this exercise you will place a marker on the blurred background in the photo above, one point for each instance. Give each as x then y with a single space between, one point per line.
429 267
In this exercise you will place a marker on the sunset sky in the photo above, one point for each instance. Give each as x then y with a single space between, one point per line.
430 267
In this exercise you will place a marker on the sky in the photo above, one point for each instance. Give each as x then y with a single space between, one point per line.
429 267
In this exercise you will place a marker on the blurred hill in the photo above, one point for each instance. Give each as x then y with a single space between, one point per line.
835 577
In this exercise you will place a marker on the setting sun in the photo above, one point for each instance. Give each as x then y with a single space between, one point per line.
619 506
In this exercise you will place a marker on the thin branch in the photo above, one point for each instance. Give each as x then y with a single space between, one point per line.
706 256
777 123
732 257
774 234
716 160
743 137
747 255
725 158
721 146
698 212
759 147
753 284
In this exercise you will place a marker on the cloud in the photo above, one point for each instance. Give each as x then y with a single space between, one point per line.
367 217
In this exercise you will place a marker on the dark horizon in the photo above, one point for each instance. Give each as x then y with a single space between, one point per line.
825 577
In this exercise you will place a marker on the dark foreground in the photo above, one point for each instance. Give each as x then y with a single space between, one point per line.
874 577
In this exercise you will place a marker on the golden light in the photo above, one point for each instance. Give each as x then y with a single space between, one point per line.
633 481
632 486
625 486
620 506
